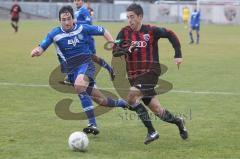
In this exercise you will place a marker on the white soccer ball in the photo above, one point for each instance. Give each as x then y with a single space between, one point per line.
78 141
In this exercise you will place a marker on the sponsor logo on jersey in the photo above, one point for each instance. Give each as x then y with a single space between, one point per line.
100 29
73 41
146 37
80 36
139 43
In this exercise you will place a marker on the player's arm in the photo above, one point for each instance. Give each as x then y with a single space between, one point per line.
20 9
38 51
108 36
199 17
122 47
86 18
173 39
98 31
11 10
92 13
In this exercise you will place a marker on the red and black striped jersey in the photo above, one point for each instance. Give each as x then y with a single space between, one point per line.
15 11
145 57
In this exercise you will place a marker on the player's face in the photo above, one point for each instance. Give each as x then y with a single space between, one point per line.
78 3
134 20
66 21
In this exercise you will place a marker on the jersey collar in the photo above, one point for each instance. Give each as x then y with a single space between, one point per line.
74 28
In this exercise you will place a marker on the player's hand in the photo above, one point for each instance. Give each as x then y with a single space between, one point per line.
37 52
178 61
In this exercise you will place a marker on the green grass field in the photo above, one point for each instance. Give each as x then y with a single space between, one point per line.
207 84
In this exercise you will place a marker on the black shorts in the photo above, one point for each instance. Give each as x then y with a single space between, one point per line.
146 83
15 19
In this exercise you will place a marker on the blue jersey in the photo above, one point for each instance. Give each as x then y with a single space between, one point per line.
70 45
83 16
195 19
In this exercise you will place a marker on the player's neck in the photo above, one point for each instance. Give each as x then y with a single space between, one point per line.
139 27
68 30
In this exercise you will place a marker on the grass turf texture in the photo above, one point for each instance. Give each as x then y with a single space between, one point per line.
30 128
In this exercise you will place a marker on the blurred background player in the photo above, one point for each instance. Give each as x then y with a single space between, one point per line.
194 25
186 13
15 10
91 11
83 16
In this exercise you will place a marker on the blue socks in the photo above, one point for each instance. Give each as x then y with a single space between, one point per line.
191 37
116 103
88 107
198 36
105 65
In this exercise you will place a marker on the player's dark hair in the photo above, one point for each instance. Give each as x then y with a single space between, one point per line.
66 9
136 8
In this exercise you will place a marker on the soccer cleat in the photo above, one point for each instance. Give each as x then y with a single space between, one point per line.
182 129
91 129
151 137
67 81
191 42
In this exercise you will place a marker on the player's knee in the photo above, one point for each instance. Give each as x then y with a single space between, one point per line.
146 100
80 87
132 98
81 83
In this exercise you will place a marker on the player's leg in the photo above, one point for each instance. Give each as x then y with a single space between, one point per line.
99 60
166 115
134 97
191 35
82 77
150 99
198 36
13 23
16 26
102 100
105 65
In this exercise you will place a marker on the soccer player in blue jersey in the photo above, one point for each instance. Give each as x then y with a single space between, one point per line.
194 25
75 57
83 16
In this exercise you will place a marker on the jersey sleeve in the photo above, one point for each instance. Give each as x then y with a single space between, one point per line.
199 17
11 9
87 17
171 36
120 36
19 9
47 41
93 30
119 40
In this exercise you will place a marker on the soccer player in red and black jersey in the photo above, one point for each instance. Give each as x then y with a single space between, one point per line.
143 69
15 10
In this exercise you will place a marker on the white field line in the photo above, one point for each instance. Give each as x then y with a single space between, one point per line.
23 84
111 88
